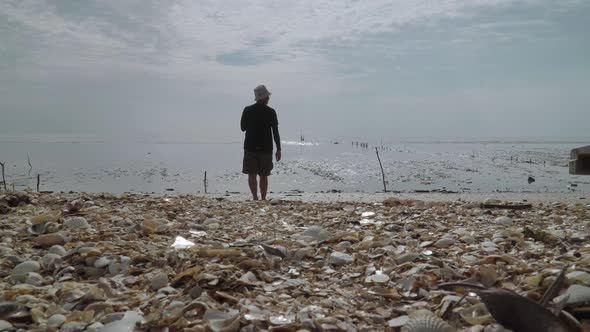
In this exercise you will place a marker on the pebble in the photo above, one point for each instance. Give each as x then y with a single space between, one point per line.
76 223
159 280
339 258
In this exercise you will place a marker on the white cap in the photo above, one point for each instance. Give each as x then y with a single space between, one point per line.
260 92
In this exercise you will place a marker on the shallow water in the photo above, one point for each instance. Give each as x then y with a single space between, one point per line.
314 167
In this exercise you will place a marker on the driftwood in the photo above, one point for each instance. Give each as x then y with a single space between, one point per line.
382 173
205 182
508 206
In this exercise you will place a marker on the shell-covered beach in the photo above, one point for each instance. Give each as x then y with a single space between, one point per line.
102 262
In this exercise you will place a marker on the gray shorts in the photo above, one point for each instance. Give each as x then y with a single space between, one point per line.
257 163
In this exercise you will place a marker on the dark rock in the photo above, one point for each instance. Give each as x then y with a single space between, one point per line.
15 199
4 209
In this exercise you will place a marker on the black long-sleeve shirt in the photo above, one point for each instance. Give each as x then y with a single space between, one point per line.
260 124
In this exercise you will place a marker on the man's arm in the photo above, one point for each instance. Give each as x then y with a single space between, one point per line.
276 136
243 121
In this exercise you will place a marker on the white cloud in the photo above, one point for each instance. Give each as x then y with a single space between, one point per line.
188 35
185 38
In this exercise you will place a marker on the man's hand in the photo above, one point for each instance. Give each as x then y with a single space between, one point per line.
278 155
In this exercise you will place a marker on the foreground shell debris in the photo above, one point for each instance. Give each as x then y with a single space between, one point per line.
99 262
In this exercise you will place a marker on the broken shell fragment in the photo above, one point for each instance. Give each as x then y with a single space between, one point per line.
476 314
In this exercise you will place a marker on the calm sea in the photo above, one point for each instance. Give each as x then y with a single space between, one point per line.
309 167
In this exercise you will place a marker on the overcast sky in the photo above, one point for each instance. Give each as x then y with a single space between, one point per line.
402 69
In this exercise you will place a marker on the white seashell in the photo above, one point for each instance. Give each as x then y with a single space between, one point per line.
378 278
76 223
427 323
575 294
51 261
578 277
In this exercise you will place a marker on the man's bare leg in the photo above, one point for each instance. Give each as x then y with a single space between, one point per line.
253 186
263 187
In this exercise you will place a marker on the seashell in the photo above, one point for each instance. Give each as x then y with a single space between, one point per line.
153 227
5 326
487 275
76 223
406 258
56 321
48 240
221 321
45 218
339 258
248 278
506 221
222 325
575 295
444 243
293 283
58 250
390 293
378 278
13 310
20 272
426 323
34 279
578 277
50 261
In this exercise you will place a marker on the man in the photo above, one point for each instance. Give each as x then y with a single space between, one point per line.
260 124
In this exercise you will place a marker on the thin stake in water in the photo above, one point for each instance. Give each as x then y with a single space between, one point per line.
382 173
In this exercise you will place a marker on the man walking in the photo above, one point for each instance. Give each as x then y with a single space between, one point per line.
260 124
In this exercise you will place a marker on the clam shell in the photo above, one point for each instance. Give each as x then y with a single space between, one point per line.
427 323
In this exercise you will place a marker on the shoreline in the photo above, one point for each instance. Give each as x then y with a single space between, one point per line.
572 197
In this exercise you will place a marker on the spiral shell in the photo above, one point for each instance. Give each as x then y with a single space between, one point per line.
427 323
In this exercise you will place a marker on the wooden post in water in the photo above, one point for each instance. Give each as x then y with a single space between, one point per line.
382 173
3 178
205 182
30 165
38 181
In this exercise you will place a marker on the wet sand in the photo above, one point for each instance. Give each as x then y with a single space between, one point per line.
572 197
